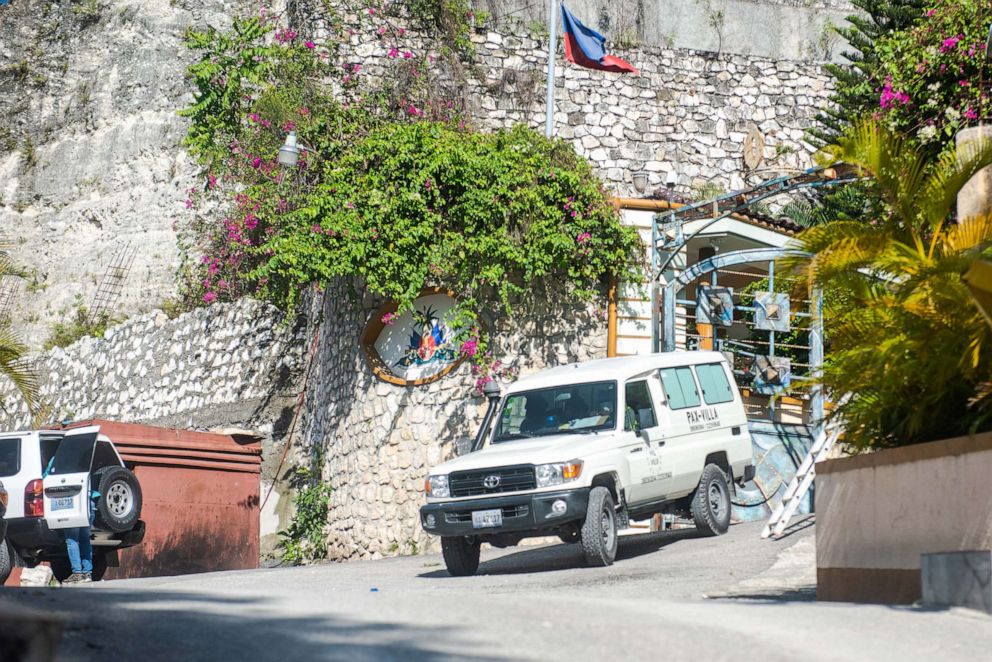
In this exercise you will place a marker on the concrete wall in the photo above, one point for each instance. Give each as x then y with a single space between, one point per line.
877 513
777 29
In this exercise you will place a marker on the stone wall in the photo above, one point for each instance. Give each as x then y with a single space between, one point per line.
688 112
376 441
229 365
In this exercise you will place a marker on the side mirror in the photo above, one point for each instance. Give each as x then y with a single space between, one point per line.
643 434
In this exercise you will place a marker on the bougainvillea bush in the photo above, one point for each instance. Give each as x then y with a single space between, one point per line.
933 79
395 192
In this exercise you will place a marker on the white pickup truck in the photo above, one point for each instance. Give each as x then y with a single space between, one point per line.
578 450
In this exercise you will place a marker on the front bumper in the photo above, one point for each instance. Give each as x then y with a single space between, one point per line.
521 513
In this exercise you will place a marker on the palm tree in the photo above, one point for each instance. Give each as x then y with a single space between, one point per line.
906 339
14 364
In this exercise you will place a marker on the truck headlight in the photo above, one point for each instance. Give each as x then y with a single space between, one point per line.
437 486
557 473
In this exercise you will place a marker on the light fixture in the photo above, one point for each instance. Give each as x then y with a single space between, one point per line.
289 153
671 179
640 181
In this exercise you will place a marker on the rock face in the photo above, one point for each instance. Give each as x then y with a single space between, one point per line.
90 155
376 441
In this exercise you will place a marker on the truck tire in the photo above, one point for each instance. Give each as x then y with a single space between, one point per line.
119 505
599 530
6 561
461 557
711 502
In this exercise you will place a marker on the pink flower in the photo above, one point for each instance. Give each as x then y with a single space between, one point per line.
470 347
211 180
583 237
890 97
209 297
256 163
931 12
310 45
950 43
393 52
382 30
189 203
407 55
316 229
971 114
251 221
389 319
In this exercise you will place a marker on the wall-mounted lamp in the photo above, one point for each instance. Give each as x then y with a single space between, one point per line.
289 153
671 179
640 181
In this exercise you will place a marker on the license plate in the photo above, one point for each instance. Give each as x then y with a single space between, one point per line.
485 519
62 503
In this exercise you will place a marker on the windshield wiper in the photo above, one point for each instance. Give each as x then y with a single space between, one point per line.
583 431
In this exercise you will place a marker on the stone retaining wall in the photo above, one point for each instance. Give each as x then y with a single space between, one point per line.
376 441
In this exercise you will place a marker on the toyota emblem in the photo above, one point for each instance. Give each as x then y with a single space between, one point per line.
491 481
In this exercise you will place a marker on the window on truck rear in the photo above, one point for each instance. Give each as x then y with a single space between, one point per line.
10 457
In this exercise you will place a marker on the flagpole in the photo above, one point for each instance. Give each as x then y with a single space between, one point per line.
549 123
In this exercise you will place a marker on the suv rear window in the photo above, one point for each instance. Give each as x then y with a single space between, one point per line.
680 387
713 381
10 457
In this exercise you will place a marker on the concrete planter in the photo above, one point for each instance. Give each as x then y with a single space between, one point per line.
877 513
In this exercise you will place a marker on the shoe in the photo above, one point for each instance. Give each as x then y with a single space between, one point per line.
74 578
87 578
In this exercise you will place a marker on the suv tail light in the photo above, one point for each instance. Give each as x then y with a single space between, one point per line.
34 501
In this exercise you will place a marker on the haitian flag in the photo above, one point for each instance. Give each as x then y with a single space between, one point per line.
587 48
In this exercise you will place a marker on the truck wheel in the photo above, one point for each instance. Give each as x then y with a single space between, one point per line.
711 503
461 557
599 531
6 561
119 505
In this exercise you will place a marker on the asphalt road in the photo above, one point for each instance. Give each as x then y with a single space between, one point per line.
670 596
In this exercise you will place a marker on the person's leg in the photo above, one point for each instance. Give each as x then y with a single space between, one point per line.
85 550
71 537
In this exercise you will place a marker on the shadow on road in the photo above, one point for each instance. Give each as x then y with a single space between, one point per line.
566 557
164 625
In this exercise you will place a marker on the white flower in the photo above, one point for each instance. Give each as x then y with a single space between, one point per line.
952 114
927 133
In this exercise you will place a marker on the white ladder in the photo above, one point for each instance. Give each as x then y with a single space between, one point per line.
802 481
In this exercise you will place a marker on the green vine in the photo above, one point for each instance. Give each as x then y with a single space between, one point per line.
395 192
304 541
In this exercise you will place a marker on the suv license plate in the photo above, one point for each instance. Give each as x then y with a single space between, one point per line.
484 519
62 503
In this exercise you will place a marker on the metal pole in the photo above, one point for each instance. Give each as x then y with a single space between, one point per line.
816 362
549 122
655 304
771 287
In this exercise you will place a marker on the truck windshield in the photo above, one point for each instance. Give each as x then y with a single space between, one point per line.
569 409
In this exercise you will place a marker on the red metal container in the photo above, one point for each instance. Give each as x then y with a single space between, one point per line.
200 499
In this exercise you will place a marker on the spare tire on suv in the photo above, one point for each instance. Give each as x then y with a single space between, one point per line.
119 505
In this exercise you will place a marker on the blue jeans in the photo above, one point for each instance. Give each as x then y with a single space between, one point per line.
77 543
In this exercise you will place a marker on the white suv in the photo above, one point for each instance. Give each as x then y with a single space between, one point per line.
578 450
39 505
